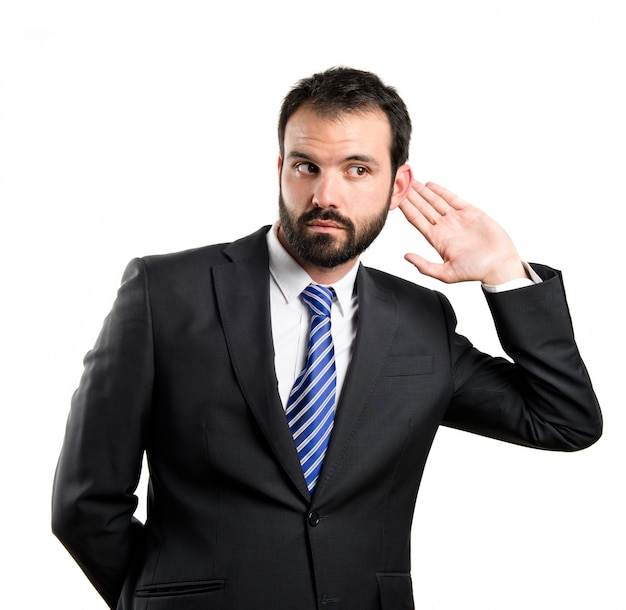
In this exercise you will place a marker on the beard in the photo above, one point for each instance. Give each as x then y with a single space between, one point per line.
324 250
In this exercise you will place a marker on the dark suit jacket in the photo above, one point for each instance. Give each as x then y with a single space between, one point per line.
183 369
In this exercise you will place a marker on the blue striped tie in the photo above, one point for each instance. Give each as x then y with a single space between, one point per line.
311 404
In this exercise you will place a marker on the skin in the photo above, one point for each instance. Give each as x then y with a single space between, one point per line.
472 245
343 164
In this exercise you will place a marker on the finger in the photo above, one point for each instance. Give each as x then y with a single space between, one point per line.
443 194
415 216
418 197
425 196
439 271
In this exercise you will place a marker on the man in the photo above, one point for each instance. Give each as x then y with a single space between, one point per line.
284 476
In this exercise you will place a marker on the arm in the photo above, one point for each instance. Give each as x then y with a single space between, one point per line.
93 495
545 399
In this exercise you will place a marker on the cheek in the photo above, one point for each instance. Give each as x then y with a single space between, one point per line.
295 192
373 203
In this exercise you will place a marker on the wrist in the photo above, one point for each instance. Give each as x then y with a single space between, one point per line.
509 272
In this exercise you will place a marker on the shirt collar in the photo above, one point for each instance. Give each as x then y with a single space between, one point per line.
292 279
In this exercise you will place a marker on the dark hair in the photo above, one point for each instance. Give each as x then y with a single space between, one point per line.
342 89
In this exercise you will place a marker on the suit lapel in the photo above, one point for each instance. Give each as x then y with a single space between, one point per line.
242 292
377 325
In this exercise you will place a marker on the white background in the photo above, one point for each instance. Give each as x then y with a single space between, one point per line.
129 128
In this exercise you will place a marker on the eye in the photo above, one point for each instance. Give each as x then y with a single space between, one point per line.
358 171
307 168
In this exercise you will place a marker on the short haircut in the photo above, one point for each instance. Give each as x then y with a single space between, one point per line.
343 90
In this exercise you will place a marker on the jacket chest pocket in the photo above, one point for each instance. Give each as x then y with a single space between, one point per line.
403 366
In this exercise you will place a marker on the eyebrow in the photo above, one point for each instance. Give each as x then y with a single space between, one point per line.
299 155
362 158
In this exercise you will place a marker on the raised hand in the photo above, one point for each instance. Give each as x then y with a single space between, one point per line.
471 244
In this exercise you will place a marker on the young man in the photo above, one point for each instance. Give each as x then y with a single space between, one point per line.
287 397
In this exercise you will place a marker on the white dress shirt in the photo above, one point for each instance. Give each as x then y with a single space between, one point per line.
290 317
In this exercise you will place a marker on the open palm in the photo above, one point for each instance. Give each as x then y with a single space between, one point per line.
471 244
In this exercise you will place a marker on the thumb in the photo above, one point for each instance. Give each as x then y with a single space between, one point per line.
425 267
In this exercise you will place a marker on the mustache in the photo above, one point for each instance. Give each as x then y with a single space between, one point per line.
320 214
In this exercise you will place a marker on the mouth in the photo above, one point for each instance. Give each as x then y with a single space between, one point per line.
325 226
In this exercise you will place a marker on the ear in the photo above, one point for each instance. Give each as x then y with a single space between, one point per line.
401 186
280 167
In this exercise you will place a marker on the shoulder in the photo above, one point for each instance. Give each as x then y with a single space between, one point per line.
413 302
196 261
400 288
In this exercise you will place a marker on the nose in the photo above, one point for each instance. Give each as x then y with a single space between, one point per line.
326 191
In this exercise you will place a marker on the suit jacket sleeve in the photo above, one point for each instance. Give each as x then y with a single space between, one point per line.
100 463
545 399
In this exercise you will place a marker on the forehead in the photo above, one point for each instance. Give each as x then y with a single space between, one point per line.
350 133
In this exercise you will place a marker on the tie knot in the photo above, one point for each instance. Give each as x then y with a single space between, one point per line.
318 299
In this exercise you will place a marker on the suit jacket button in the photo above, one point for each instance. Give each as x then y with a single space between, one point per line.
314 519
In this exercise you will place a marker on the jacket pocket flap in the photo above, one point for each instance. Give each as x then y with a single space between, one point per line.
396 591
179 588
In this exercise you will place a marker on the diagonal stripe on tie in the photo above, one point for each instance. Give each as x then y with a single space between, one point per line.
311 405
